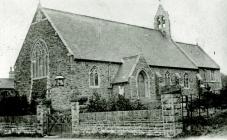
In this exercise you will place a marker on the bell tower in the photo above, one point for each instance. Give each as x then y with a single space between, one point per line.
162 22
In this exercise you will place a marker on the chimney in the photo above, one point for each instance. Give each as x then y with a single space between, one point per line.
11 73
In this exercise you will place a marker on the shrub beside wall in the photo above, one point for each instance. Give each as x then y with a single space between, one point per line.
14 106
119 103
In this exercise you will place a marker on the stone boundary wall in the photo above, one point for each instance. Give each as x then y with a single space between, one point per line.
139 122
18 128
121 116
10 125
18 119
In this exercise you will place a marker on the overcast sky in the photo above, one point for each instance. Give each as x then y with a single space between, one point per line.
192 21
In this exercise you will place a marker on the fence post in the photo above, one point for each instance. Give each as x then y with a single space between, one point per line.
171 111
42 111
75 110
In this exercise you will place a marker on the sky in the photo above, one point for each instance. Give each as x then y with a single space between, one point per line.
192 21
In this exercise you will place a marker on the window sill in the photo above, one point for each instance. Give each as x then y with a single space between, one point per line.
37 78
94 87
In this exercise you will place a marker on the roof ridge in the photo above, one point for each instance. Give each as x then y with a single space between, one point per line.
128 57
186 43
108 20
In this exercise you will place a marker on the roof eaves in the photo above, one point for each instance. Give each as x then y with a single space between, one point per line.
216 68
58 32
185 43
105 61
173 67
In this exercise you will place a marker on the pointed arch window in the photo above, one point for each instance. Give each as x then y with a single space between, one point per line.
142 84
39 60
167 78
94 77
212 75
186 80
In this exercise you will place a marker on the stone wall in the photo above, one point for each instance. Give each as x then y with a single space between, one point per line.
13 125
59 61
19 129
117 123
206 78
193 81
121 116
42 112
39 87
80 76
18 119
172 111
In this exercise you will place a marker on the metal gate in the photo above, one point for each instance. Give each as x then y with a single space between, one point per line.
59 123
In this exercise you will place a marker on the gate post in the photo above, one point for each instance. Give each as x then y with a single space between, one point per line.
42 111
171 111
75 109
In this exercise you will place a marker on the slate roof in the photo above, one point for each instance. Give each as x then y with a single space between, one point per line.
198 55
91 38
6 83
126 69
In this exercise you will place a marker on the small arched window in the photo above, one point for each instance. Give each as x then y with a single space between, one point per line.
159 22
94 77
167 78
39 60
186 80
163 22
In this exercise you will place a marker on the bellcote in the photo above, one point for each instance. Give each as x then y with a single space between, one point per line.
162 22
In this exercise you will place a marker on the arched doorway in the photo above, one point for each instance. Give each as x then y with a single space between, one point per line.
142 84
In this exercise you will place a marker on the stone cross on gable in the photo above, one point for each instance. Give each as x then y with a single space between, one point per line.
39 3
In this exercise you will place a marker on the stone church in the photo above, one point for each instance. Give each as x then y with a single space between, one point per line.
65 54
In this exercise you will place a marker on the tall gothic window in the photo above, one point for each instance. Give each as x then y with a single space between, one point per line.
39 60
167 78
94 77
186 80
142 84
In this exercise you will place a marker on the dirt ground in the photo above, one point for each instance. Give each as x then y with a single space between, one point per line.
55 138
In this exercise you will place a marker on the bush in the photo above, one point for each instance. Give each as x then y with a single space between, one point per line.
119 103
97 104
14 106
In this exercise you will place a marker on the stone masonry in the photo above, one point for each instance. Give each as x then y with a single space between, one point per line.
172 111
